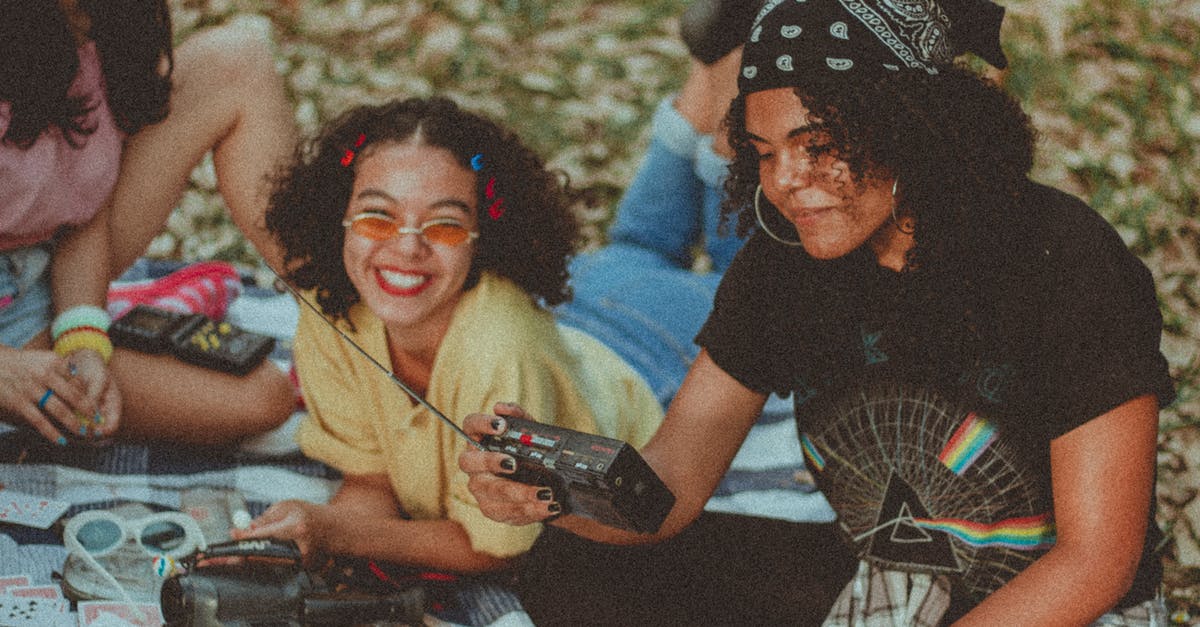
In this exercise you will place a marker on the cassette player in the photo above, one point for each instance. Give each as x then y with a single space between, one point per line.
193 338
592 476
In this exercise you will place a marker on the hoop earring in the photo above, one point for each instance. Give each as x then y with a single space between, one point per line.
763 225
912 227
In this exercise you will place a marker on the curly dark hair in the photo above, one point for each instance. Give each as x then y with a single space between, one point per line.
958 145
530 244
41 61
960 149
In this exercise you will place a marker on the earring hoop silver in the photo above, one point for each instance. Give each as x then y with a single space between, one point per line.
763 225
895 220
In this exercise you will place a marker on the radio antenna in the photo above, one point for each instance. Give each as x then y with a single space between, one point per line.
407 390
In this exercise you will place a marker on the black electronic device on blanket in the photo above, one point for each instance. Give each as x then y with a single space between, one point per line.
269 587
194 338
592 476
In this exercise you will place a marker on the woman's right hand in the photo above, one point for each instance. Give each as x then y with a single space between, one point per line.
93 374
308 524
502 499
25 377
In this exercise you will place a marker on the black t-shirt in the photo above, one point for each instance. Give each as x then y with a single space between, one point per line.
926 400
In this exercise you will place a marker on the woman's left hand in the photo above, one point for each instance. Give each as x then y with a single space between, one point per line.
102 392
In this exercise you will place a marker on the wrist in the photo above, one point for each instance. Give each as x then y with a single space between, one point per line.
327 525
80 316
79 355
84 339
82 327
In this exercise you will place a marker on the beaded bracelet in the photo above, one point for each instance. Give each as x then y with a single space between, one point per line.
80 316
80 338
81 329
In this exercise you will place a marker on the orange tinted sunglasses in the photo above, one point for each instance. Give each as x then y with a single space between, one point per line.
444 231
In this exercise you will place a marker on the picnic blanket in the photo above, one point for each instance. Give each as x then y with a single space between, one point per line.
767 477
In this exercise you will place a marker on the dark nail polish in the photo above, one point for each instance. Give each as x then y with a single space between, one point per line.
61 441
509 464
554 508
497 425
545 494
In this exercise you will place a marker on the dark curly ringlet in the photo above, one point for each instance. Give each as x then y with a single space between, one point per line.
956 142
41 61
530 243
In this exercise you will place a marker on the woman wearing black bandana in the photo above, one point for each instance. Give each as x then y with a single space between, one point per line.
973 357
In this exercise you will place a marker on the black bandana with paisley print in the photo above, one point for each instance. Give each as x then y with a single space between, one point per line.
800 37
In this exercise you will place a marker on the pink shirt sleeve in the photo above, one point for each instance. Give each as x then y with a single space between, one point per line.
51 184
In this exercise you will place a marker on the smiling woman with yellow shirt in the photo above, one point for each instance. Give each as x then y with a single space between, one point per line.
431 236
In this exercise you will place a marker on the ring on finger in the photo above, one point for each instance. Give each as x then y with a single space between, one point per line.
41 405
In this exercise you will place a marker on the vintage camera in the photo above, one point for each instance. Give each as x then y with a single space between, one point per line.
193 338
591 475
273 591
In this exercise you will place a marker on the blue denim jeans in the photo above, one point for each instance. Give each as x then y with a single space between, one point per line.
25 304
639 295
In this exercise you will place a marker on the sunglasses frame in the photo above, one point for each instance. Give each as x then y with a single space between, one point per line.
193 535
407 230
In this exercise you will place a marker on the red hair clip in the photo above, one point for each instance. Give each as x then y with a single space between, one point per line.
348 158
497 209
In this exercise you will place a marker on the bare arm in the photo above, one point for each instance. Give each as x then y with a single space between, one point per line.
362 520
1103 476
705 425
79 276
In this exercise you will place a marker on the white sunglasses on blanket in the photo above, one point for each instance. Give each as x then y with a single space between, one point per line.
165 536
100 532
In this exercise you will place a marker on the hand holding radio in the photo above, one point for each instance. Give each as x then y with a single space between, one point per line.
579 473
500 497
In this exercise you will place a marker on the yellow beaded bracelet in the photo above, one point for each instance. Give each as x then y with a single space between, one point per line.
82 338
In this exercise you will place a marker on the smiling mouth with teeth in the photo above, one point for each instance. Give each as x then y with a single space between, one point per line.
401 283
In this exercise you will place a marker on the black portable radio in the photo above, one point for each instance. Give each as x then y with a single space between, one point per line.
591 475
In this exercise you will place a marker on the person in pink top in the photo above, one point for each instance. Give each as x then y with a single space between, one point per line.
101 122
